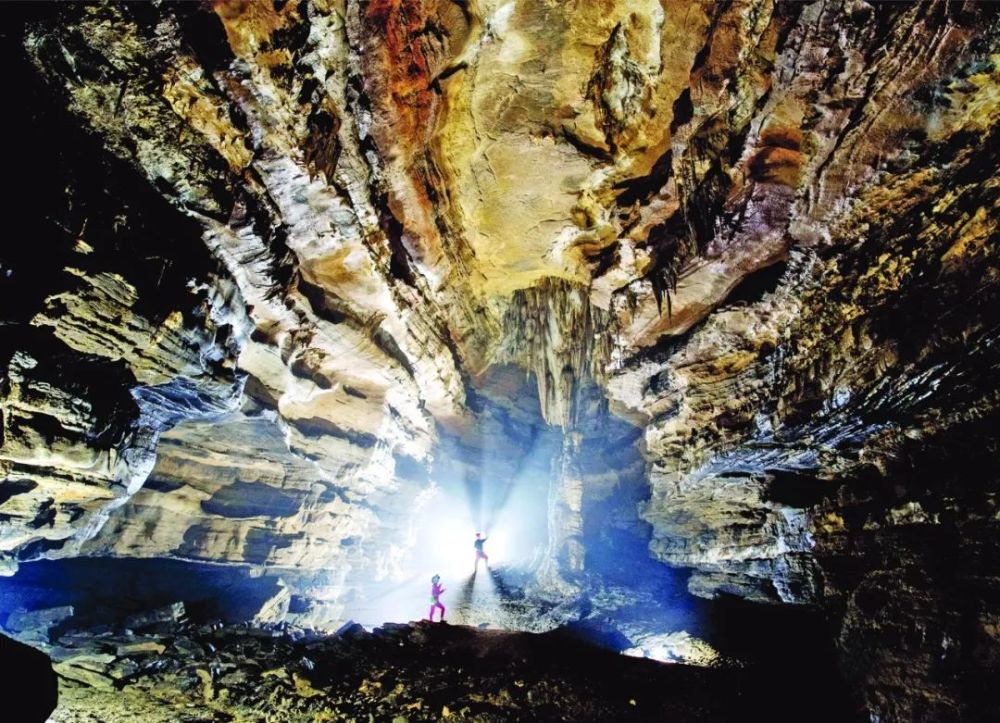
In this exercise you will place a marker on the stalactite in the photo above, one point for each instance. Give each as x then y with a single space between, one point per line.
553 331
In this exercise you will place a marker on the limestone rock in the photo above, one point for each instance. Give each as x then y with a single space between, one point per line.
275 610
89 669
679 647
168 615
36 626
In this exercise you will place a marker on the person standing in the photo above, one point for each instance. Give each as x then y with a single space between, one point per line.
436 591
480 553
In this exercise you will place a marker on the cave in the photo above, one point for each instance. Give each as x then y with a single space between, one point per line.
652 345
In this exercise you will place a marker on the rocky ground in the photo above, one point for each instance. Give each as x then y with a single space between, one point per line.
169 670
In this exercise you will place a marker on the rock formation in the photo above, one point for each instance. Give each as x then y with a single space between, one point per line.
726 272
28 678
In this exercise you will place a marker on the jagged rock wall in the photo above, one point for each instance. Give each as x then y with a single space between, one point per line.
115 324
314 354
790 431
802 370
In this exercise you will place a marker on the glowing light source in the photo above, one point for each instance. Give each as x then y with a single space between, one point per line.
505 499
446 547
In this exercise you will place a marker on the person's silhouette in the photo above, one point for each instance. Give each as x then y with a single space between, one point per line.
480 554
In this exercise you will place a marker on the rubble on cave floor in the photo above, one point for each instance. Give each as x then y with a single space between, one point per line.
159 666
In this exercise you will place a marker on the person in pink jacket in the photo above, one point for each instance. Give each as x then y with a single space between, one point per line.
436 591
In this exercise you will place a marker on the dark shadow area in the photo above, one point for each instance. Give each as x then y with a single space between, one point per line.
778 658
250 499
500 675
786 645
28 685
71 190
755 285
104 590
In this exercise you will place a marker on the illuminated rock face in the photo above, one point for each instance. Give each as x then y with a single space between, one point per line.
300 243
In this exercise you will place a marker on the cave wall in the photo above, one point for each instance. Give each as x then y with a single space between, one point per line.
116 322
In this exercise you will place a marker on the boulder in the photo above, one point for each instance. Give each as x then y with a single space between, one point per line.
91 669
27 682
168 615
275 609
36 626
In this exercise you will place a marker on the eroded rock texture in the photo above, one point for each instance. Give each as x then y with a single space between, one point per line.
745 253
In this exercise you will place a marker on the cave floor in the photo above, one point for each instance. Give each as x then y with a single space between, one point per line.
412 672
